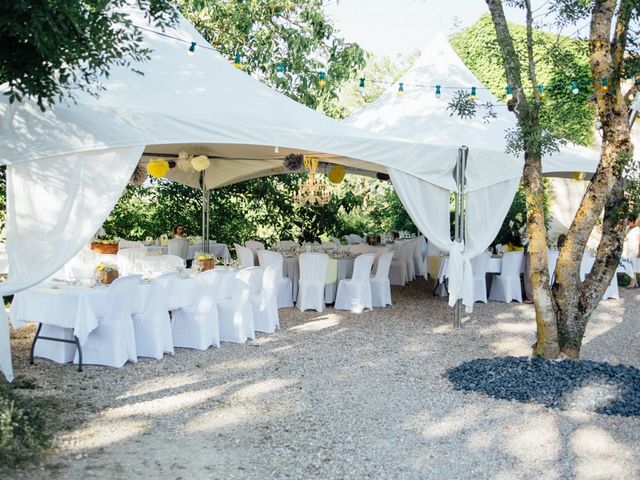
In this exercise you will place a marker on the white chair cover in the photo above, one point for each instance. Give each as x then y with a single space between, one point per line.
254 246
380 286
418 259
284 289
506 286
585 267
245 256
153 325
179 247
196 326
113 341
159 263
552 259
235 315
313 274
127 259
479 267
355 293
265 307
402 266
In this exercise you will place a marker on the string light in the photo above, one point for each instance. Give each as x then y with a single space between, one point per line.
192 49
574 88
541 91
509 93
605 83
473 94
238 61
362 87
322 79
438 92
401 89
280 71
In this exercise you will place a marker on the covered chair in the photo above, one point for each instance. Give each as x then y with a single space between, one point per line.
355 293
245 256
313 274
399 274
265 308
179 247
113 341
380 286
506 286
235 315
418 257
255 246
196 326
284 288
479 266
153 324
552 259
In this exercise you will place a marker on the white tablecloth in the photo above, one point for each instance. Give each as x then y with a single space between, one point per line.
338 269
82 307
220 250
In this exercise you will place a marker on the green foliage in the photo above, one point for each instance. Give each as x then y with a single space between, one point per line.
23 430
50 48
267 33
559 62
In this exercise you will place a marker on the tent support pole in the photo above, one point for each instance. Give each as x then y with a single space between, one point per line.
205 214
459 222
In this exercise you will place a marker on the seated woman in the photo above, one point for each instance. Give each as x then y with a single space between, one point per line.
178 231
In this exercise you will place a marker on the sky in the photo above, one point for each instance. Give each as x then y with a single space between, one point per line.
391 27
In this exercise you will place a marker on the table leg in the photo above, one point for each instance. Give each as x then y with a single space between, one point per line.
79 353
33 345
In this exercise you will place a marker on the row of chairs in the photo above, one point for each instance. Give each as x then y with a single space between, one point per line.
226 306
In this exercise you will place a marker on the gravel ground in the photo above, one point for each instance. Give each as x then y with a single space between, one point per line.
339 395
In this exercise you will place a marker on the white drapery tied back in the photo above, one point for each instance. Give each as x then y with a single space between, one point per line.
460 276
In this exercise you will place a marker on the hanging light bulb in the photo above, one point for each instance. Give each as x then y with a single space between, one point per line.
605 84
509 93
238 61
280 71
362 88
322 79
438 93
192 49
574 88
473 94
400 89
541 91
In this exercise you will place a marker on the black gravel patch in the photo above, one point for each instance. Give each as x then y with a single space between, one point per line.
580 385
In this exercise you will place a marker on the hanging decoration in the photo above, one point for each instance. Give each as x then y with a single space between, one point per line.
191 49
172 164
313 190
157 167
200 163
336 174
184 162
293 162
382 176
401 89
139 175
322 79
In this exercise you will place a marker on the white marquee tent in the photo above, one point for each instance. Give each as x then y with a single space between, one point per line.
67 167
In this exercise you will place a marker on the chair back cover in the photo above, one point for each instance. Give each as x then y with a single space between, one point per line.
210 285
120 298
384 264
158 299
267 257
552 259
179 247
254 245
512 264
270 278
479 264
255 279
313 267
362 266
242 285
586 265
245 256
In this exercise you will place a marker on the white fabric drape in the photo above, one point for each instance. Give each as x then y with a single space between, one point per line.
428 206
54 206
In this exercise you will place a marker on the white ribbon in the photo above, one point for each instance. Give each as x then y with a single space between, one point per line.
460 276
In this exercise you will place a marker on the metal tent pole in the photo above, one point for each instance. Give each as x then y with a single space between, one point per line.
205 214
459 223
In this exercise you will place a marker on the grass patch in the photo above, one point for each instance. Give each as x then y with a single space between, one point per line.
24 429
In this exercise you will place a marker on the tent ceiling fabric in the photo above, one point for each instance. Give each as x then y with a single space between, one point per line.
418 115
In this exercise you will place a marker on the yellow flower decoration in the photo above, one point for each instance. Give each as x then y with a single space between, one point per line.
336 174
158 167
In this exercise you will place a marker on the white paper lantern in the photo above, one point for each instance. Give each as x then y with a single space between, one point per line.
184 164
199 163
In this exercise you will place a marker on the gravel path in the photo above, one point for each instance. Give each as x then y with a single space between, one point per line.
337 395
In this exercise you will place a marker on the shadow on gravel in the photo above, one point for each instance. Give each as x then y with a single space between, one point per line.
582 385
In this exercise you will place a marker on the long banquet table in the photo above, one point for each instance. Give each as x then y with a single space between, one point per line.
220 250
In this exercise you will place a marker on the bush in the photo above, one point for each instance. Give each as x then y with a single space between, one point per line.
23 432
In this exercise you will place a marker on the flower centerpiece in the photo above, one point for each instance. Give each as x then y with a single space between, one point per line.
106 272
104 245
206 261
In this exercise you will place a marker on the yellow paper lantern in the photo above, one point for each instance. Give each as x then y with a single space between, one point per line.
336 174
199 163
158 167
